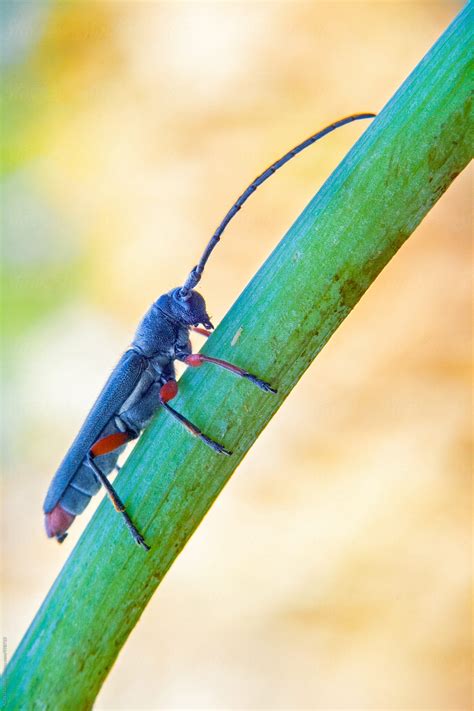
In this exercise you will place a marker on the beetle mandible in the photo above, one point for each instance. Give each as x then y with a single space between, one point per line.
144 380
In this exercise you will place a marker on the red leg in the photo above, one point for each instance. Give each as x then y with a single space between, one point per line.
168 391
202 331
105 446
111 442
197 359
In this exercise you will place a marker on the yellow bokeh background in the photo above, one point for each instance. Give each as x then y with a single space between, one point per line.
334 571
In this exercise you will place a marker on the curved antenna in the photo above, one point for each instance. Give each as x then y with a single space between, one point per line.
196 273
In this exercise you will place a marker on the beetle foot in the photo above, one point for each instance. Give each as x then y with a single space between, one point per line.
260 383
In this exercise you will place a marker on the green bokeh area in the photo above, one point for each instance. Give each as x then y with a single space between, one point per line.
39 267
28 297
23 105
24 94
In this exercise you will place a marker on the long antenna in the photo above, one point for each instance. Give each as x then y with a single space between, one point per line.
196 273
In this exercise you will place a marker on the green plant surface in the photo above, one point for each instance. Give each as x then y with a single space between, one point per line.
365 211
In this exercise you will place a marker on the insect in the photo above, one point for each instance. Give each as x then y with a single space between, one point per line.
144 379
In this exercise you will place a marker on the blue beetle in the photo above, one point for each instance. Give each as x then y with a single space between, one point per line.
143 380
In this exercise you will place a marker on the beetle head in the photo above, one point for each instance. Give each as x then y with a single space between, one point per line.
190 310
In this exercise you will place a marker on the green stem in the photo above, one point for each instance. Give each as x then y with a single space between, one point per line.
365 211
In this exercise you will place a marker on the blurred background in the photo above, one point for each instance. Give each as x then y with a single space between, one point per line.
334 570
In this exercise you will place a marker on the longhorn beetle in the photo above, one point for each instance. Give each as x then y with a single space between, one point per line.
143 380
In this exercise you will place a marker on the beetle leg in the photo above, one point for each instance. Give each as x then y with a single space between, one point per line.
107 444
104 446
168 391
197 359
202 331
